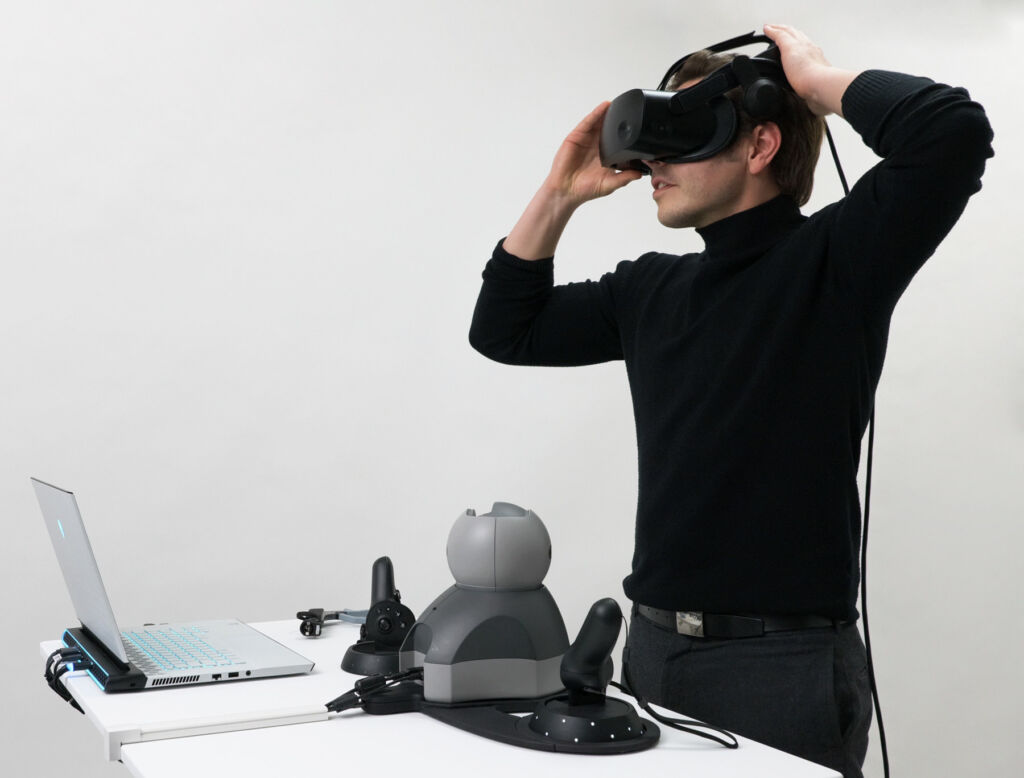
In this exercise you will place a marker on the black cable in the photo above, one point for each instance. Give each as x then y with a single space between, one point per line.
835 156
60 663
864 597
63 654
62 670
369 686
684 725
864 530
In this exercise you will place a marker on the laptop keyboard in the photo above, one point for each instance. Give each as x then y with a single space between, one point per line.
171 649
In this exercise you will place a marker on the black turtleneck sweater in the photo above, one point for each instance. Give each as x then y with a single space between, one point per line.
753 364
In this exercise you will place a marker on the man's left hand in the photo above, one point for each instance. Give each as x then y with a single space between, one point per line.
811 75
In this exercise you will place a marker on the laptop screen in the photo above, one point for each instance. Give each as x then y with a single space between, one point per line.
78 564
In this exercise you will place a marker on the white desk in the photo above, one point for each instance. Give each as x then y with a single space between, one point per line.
354 741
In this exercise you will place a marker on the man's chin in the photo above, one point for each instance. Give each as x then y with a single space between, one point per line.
676 220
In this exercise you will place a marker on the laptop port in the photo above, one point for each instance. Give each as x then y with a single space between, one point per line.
232 675
216 676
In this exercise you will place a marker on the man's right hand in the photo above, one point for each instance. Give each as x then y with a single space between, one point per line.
577 173
576 176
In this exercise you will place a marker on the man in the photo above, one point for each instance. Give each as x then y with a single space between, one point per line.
752 367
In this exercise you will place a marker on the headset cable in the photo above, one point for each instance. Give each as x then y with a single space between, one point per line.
864 530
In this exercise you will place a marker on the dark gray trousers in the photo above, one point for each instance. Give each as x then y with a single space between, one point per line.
805 692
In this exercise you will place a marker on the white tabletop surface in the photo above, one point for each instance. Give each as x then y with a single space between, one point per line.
354 740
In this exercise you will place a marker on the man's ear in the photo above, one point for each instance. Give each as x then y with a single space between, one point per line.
766 139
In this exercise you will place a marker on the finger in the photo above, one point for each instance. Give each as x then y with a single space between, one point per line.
586 133
785 36
785 30
594 118
624 177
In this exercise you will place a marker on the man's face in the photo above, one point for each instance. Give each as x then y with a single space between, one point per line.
695 194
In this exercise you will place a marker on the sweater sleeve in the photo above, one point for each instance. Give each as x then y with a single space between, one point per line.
522 318
934 141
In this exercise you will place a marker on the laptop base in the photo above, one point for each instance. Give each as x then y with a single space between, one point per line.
109 672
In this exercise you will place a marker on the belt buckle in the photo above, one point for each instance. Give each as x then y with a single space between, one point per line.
690 623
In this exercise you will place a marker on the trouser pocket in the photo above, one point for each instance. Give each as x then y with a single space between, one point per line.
778 689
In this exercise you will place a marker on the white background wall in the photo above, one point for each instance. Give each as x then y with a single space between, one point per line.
241 244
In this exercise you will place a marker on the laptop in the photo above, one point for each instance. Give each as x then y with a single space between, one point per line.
152 655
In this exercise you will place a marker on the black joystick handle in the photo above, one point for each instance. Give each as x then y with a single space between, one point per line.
387 624
387 621
587 664
382 586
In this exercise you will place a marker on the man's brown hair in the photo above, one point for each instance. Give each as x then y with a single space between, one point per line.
802 131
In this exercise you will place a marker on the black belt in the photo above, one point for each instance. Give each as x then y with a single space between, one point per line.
720 625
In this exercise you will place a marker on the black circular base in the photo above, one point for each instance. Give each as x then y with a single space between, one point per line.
361 659
497 721
611 725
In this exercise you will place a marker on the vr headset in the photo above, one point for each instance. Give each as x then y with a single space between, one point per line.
694 123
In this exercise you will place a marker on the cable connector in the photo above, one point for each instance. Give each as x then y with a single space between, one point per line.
369 686
60 655
60 663
346 701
